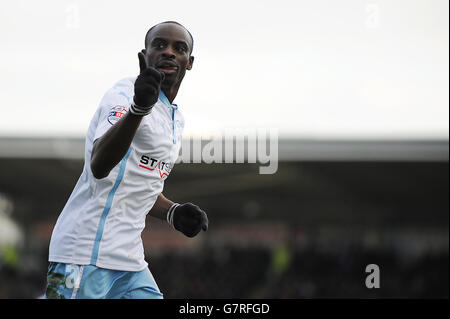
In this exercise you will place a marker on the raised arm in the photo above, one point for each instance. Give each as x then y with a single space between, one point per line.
109 149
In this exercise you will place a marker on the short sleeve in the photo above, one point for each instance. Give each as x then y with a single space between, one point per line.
113 106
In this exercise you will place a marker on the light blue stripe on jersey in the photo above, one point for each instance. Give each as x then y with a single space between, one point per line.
172 109
108 205
164 99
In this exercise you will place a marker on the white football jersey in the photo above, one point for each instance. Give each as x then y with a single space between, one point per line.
102 221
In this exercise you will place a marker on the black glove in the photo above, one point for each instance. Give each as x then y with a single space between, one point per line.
187 218
146 88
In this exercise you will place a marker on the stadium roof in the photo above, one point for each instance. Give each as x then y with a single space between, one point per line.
288 149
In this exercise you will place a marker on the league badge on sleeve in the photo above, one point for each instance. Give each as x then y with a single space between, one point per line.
116 113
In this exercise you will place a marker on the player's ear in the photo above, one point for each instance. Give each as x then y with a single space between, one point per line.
143 51
190 63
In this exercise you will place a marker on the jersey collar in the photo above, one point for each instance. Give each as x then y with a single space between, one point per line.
165 100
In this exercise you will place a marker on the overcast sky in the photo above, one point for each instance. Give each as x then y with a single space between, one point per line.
312 69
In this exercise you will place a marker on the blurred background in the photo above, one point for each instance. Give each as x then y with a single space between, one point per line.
358 91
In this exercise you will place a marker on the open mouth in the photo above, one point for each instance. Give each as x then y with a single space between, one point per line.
167 67
170 69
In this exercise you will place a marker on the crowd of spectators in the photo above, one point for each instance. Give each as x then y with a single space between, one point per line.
254 273
280 272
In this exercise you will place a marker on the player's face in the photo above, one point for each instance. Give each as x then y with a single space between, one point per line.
168 50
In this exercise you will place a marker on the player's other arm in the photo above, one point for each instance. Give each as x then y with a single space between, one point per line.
161 207
109 149
186 218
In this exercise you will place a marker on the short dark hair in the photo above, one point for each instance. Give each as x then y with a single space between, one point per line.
174 22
